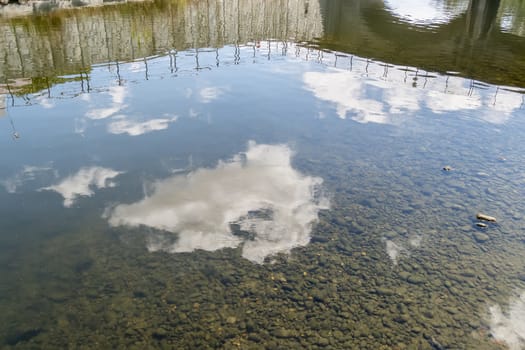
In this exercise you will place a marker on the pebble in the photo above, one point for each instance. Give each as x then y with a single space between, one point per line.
415 279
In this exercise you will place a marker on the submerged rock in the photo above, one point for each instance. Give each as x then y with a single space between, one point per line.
416 279
481 237
319 239
22 336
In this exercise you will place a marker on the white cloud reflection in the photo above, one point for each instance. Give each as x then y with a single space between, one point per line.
134 128
119 123
391 100
401 248
257 190
28 173
394 250
209 94
502 105
509 327
346 90
83 182
118 95
440 102
45 102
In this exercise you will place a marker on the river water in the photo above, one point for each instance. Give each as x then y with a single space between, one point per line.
293 174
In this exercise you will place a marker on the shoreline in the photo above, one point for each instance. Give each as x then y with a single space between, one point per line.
10 9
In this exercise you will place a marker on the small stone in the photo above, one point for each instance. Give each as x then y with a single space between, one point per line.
468 273
484 217
171 298
416 279
284 333
322 341
231 319
319 239
254 338
384 291
390 234
480 224
160 333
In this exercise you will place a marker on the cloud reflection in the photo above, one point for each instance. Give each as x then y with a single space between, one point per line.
440 102
509 327
118 95
390 100
503 104
119 123
394 251
401 248
28 173
83 182
346 91
255 199
135 128
209 94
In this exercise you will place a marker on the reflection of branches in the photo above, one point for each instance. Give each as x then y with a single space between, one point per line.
82 82
471 88
284 49
119 79
495 96
15 133
203 59
48 88
173 61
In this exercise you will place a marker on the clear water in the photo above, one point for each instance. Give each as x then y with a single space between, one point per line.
253 175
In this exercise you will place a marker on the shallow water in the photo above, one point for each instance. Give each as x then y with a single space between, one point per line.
236 175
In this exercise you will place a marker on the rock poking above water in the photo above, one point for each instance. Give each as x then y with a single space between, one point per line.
484 217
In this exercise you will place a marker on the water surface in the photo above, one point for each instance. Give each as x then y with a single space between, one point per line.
236 175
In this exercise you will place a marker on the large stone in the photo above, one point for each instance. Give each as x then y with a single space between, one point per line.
485 217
